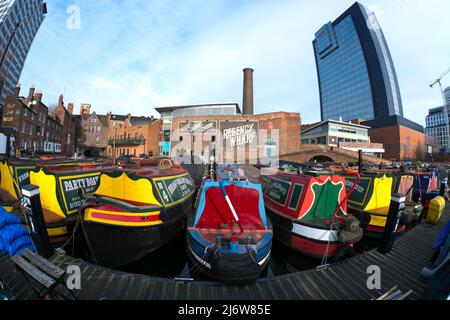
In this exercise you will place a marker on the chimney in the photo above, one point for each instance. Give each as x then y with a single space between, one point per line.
247 100
17 91
38 96
61 101
85 109
31 93
70 108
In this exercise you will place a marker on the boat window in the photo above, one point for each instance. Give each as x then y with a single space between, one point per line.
296 193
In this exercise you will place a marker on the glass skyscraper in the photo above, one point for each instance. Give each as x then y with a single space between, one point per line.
19 22
357 79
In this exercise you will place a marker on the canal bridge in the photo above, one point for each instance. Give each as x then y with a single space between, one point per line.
325 153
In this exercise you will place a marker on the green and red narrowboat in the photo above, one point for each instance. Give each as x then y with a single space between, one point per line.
135 211
309 213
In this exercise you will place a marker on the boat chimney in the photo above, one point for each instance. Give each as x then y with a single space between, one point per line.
247 100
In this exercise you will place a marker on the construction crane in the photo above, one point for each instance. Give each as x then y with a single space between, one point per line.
438 81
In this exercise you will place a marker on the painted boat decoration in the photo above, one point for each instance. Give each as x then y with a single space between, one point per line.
309 213
61 181
371 199
135 211
62 191
13 176
230 238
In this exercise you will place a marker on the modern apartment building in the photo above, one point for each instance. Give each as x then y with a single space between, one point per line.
19 22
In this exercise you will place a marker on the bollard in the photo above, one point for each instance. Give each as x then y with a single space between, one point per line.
394 215
360 161
443 188
35 218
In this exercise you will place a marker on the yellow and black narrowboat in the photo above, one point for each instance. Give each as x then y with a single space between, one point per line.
371 199
61 182
62 191
135 211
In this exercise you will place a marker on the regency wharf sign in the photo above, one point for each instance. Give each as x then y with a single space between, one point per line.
239 133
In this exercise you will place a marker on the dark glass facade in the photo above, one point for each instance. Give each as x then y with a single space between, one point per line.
29 14
356 74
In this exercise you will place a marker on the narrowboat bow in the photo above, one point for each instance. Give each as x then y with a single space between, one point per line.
229 238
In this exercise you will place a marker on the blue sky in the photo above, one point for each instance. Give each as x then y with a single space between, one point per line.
133 55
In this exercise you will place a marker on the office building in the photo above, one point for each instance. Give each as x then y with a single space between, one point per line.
355 70
435 122
345 135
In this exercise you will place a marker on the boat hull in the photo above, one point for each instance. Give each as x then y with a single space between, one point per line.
222 246
306 239
118 245
241 267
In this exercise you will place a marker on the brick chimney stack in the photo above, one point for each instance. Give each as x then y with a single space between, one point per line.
31 93
70 108
17 90
38 96
85 109
61 101
247 100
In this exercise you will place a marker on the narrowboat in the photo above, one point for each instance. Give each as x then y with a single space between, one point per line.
230 237
63 188
309 212
56 178
135 211
371 199
61 182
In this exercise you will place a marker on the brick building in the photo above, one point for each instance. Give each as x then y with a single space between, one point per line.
33 129
402 139
133 136
66 118
92 132
237 138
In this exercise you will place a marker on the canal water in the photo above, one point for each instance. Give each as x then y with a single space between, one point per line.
172 261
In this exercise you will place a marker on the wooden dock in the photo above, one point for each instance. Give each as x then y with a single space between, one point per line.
343 281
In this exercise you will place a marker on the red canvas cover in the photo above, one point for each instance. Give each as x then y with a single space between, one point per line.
217 212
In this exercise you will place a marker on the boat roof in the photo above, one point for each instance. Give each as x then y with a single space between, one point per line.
153 172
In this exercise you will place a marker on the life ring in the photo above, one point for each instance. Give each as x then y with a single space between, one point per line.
166 164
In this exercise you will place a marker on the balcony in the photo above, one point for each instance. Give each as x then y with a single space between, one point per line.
127 142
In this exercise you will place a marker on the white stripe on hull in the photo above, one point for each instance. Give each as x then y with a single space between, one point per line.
206 264
314 233
203 262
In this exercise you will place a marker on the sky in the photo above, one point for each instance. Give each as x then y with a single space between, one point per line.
129 56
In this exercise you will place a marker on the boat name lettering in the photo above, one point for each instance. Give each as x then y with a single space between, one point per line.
24 176
358 188
81 183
